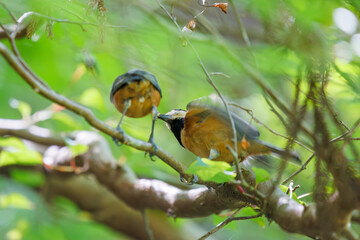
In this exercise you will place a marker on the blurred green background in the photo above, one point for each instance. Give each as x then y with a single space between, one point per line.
82 62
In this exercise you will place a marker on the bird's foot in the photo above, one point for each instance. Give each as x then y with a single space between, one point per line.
115 140
155 147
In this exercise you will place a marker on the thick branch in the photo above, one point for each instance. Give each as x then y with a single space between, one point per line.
143 193
21 32
109 210
296 218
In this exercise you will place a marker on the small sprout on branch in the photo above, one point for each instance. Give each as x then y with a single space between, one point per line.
291 189
98 5
49 29
32 27
241 190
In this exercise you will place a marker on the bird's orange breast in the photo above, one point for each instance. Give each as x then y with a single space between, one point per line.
143 96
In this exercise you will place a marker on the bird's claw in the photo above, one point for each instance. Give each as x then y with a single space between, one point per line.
115 140
193 180
155 147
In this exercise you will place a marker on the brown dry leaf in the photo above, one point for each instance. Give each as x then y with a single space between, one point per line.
222 6
191 24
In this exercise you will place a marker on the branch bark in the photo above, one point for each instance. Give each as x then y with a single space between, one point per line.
109 210
145 193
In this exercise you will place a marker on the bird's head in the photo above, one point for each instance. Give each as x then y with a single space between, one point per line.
172 115
174 121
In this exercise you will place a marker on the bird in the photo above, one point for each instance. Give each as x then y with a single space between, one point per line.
206 131
136 94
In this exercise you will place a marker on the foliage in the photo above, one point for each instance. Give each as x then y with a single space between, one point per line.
288 40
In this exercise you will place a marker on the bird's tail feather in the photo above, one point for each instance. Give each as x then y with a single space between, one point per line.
289 155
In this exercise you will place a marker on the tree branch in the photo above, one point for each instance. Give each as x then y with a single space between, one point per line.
18 128
87 114
144 193
108 209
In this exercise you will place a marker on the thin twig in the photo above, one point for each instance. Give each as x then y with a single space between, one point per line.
25 15
257 78
304 195
356 217
250 112
208 77
9 12
243 31
227 221
334 115
338 138
349 234
241 26
11 38
147 225
220 225
211 82
303 167
272 108
295 122
22 129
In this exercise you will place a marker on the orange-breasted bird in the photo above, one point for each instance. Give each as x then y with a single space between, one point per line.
135 94
206 131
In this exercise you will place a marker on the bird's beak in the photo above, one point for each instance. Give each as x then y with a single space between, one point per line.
163 117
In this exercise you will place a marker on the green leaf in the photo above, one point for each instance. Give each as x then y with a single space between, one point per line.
66 119
249 211
30 178
208 170
78 149
283 188
11 142
15 200
23 107
15 152
65 205
261 175
218 219
92 98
